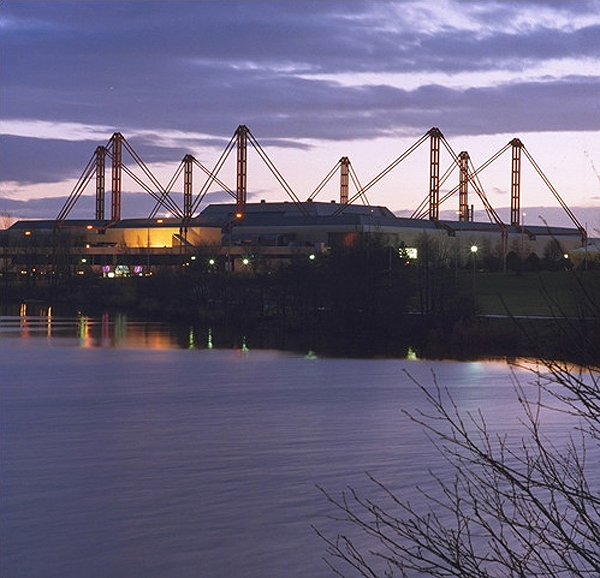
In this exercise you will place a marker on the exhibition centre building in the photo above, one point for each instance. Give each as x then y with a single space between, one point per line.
274 233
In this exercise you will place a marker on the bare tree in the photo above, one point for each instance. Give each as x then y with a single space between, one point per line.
509 508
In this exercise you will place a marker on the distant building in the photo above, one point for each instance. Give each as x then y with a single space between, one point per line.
274 231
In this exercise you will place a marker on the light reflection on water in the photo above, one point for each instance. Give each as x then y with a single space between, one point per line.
119 330
129 451
114 330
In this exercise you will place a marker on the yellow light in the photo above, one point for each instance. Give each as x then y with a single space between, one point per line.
159 221
90 227
27 233
239 215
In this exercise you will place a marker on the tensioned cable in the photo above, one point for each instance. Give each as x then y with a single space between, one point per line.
276 173
383 173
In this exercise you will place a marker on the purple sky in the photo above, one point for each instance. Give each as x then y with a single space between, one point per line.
313 81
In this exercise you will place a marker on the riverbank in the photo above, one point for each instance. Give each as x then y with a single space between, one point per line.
548 314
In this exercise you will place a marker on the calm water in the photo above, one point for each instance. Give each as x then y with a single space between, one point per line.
127 451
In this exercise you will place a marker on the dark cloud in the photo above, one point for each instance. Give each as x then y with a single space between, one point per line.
207 66
134 205
45 208
31 160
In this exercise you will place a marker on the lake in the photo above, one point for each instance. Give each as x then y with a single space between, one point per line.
135 449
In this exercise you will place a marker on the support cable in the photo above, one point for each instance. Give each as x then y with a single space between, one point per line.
325 180
163 197
212 176
383 173
156 196
491 213
423 209
160 203
80 185
357 184
143 166
276 173
474 180
556 195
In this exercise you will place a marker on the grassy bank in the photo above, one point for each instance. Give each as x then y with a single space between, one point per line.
548 293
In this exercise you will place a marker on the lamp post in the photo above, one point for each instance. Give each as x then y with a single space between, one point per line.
474 249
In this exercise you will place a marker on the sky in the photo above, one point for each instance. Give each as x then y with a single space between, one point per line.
313 81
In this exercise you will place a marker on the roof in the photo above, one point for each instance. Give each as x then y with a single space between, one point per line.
289 214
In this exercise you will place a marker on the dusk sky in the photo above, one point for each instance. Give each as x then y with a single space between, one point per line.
314 81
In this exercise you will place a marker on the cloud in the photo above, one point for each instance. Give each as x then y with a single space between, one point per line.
209 66
31 160
134 205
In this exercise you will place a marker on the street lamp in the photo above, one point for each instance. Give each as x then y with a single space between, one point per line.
474 249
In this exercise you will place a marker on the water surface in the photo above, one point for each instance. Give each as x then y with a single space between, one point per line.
126 452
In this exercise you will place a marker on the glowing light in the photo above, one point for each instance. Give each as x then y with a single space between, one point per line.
27 233
411 354
159 221
239 215
245 261
89 227
474 248
211 262
312 257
